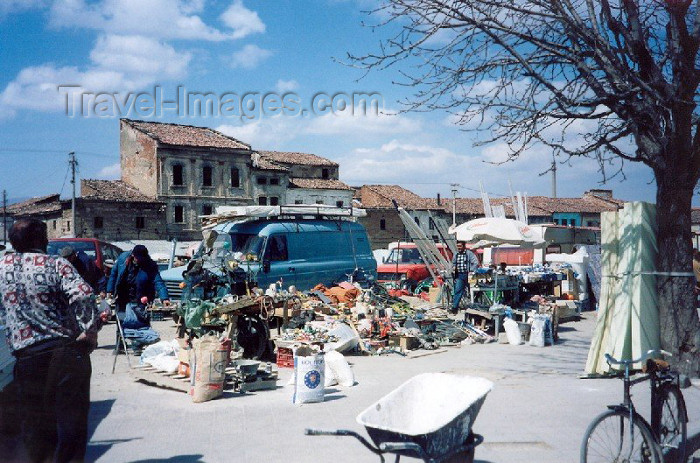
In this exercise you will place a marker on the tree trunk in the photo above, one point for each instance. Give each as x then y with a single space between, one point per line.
678 317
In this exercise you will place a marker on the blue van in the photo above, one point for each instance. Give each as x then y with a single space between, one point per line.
299 252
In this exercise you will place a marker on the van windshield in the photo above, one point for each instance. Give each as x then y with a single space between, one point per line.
404 256
229 244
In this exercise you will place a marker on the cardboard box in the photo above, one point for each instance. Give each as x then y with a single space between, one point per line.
404 342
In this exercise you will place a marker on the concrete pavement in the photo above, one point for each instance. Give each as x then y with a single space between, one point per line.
537 412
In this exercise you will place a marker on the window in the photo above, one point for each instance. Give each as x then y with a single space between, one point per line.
207 209
179 214
298 201
274 200
262 201
431 223
262 180
572 222
178 178
140 223
274 181
207 175
417 221
97 222
235 179
382 224
53 223
67 224
319 201
338 204
324 173
276 248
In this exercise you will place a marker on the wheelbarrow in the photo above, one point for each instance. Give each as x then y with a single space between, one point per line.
429 417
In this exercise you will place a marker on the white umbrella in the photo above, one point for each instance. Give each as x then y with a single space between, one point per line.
496 230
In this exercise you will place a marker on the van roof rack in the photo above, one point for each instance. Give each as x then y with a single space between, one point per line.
244 213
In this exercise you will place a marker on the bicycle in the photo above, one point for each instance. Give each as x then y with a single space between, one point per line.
622 435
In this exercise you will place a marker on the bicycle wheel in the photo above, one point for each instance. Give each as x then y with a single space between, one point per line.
670 420
608 440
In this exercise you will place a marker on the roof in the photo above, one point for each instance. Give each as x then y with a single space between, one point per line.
186 135
112 190
318 184
263 163
586 204
39 205
288 157
381 196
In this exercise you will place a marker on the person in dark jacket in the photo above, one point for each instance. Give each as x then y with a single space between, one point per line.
135 281
86 268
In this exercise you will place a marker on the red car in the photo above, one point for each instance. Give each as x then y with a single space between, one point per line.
99 250
405 263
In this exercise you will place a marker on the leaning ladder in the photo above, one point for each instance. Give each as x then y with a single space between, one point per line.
437 264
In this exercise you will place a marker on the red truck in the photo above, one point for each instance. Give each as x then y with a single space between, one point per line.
405 266
99 250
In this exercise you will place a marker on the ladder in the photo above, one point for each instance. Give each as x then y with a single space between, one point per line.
443 230
437 264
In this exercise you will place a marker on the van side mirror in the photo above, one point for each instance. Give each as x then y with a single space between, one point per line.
266 266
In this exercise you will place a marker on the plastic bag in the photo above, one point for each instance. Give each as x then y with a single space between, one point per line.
340 369
309 376
537 332
512 332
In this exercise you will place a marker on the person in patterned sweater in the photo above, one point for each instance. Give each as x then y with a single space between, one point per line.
51 321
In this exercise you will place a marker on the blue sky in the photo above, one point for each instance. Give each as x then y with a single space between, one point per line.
242 46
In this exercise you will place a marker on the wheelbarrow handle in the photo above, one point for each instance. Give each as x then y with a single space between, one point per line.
399 446
345 432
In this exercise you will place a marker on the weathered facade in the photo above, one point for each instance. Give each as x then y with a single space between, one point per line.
192 170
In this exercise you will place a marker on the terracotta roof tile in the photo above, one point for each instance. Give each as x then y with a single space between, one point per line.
38 205
262 163
186 135
381 196
318 184
306 159
586 204
112 190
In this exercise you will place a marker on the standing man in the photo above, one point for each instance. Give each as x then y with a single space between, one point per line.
52 323
86 267
462 263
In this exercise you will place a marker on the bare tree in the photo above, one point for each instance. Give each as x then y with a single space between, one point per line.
609 79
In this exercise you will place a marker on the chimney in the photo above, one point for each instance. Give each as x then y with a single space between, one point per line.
438 199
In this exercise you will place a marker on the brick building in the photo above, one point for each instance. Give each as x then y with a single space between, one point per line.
192 170
384 225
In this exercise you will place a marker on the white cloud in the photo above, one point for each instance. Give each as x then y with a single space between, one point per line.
402 163
165 19
119 64
242 20
271 133
112 172
136 55
360 123
284 86
15 6
249 57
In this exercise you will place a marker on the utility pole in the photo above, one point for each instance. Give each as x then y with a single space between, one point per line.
73 163
454 203
4 217
554 178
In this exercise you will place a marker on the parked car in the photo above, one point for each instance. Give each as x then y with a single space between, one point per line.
301 252
105 254
405 263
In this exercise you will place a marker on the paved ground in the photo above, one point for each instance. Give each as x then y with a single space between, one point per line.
537 412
